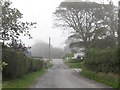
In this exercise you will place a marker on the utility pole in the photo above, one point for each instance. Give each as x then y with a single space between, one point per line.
49 49
119 22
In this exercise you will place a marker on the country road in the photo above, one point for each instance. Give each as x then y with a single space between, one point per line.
60 76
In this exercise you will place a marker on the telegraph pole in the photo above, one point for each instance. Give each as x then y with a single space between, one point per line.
119 23
49 48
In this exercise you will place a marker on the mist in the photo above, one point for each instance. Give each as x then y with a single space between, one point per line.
41 49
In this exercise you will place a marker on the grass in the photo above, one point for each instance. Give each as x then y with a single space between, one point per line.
108 79
73 63
24 81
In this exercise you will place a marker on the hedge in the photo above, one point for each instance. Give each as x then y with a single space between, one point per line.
108 79
18 64
102 60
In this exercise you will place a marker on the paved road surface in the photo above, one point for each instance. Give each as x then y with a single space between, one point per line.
60 76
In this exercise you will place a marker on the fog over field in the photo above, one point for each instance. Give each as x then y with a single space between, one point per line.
41 49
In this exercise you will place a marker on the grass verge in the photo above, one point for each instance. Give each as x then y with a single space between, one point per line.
105 78
73 64
22 82
108 79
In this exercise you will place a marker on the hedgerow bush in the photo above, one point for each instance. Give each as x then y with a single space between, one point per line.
18 64
102 60
75 61
108 79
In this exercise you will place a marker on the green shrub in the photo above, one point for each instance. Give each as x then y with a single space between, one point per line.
102 60
75 61
18 64
108 79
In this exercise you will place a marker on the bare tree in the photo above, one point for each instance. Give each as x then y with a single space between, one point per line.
88 20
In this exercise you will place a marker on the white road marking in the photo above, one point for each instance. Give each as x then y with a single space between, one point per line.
78 70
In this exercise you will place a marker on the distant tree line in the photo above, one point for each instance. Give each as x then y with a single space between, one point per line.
41 49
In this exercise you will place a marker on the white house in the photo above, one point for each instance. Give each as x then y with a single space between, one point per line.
81 55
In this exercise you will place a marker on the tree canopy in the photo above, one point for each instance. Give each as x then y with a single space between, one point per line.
12 25
91 23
